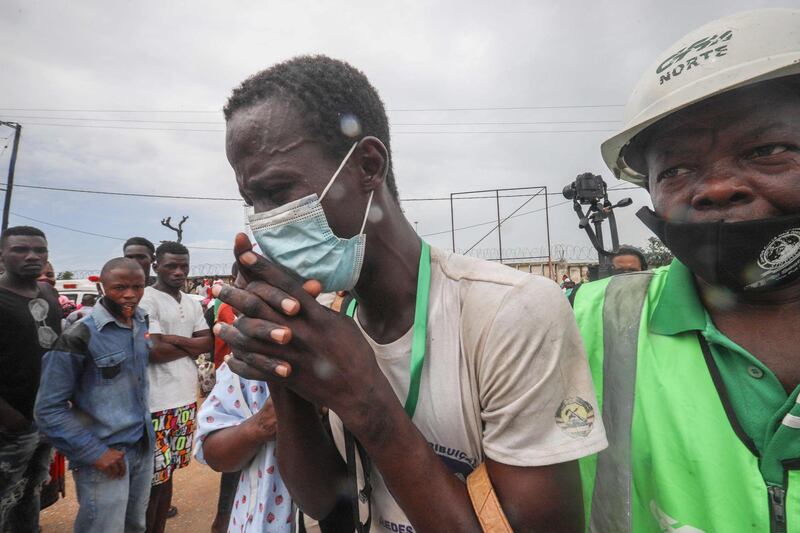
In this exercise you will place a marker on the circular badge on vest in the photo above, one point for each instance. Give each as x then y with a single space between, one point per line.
575 416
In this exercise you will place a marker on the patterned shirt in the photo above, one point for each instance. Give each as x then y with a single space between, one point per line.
262 503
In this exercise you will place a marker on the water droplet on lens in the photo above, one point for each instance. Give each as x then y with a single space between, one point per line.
720 297
350 125
323 369
336 191
375 214
752 273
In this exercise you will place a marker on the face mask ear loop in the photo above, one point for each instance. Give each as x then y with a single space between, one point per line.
341 166
366 215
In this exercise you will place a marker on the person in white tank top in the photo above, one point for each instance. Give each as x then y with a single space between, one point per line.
447 361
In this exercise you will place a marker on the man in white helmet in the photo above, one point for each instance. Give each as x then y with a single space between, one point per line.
697 364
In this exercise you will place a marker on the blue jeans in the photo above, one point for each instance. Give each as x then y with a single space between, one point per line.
115 505
24 464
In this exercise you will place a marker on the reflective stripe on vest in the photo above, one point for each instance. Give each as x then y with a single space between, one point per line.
674 461
622 309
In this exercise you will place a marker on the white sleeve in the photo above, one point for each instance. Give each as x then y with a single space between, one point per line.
150 306
200 323
538 403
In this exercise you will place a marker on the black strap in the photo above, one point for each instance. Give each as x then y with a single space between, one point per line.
351 446
340 519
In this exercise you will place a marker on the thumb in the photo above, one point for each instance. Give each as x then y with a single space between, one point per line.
241 244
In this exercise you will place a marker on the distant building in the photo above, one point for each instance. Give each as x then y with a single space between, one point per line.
577 271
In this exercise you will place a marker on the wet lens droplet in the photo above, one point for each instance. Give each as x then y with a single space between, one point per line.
350 125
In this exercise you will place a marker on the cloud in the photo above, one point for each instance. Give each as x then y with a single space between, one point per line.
186 56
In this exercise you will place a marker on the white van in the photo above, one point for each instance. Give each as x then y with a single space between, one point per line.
74 289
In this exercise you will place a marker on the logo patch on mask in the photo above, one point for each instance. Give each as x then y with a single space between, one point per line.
575 417
780 257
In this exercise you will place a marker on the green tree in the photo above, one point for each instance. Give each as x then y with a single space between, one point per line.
656 253
65 275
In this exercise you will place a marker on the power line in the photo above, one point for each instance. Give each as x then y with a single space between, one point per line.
89 119
130 128
506 123
120 127
497 132
135 194
62 110
509 108
410 109
67 228
615 188
218 122
226 249
233 199
100 234
479 224
500 222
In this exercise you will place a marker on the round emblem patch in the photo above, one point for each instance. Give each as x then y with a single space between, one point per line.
782 252
575 416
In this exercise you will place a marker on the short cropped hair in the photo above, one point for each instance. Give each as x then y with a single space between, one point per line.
337 101
632 250
28 231
140 241
119 262
171 247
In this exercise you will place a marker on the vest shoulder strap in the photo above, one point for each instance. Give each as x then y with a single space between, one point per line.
622 312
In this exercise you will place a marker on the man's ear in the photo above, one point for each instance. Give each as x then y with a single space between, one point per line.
373 161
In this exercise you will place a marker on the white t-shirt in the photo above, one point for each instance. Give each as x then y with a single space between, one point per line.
505 376
172 384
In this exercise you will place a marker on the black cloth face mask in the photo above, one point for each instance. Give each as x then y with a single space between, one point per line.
750 256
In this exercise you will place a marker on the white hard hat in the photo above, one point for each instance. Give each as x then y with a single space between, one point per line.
728 53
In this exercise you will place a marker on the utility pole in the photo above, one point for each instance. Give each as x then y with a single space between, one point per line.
11 165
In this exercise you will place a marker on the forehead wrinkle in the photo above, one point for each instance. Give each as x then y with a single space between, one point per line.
270 128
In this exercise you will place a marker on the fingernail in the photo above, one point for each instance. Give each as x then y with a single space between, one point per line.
282 370
279 334
248 258
289 305
217 329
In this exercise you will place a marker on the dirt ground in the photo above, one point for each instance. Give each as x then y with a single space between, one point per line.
195 492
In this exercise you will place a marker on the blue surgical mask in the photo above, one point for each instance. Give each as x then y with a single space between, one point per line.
297 236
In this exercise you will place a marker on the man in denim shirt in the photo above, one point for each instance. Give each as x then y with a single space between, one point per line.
100 366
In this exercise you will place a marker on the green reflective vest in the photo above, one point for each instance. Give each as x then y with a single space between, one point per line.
677 458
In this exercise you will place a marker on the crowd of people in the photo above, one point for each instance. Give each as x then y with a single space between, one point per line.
367 381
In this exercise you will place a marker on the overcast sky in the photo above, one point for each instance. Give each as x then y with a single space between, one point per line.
144 69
